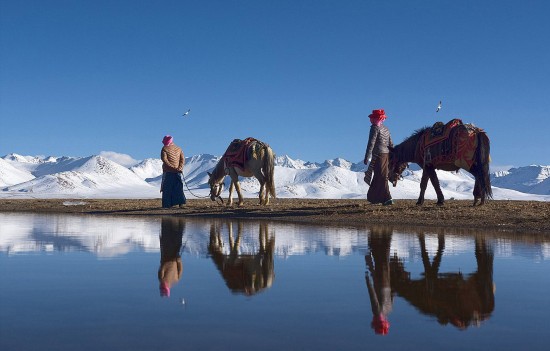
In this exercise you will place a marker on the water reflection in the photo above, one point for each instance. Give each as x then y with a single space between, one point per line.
377 277
244 273
452 297
422 286
170 270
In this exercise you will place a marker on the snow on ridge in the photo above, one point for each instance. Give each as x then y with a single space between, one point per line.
10 175
148 168
338 162
529 179
287 162
94 175
334 178
23 159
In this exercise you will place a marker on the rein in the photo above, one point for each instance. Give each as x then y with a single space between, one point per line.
197 196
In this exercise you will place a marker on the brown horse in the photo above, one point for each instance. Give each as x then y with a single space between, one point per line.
245 158
453 297
448 147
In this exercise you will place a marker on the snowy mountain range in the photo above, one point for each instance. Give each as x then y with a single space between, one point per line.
103 177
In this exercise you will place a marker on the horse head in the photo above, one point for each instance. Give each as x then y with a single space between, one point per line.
395 167
216 187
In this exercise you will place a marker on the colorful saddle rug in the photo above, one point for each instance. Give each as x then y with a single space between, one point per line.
440 131
237 153
452 144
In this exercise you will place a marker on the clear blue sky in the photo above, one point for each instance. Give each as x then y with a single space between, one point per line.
80 77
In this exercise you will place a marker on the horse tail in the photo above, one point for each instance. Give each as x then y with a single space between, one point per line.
268 169
483 158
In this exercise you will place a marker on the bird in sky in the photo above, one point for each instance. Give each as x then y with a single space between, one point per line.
438 107
186 113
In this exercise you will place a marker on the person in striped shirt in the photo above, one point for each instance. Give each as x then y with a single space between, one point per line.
172 168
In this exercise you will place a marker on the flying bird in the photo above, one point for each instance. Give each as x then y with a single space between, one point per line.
438 107
186 113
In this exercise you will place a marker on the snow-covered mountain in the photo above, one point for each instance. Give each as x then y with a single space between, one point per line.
530 179
10 175
100 177
93 176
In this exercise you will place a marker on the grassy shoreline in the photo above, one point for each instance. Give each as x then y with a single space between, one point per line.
518 216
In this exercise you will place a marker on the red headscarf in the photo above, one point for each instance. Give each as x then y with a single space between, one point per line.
377 116
167 140
380 325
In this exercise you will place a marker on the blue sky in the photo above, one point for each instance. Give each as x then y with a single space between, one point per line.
81 77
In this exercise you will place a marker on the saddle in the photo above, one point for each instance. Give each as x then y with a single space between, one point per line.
236 154
453 143
440 132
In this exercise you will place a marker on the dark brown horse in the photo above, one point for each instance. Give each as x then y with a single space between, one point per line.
453 297
448 147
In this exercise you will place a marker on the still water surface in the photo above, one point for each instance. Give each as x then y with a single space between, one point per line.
110 283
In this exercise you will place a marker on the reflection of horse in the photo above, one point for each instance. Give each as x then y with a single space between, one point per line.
448 147
246 158
170 270
243 273
377 278
451 297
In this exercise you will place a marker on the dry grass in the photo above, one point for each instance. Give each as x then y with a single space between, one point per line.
517 216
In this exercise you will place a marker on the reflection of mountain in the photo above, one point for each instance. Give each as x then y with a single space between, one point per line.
112 236
103 236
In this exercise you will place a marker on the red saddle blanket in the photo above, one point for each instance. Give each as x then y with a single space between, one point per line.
452 144
236 154
440 131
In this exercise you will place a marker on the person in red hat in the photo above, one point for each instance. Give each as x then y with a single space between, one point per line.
377 157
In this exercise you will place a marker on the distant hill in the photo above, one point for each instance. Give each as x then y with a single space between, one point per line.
100 177
529 179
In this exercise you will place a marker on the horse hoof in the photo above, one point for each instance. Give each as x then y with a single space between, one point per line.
419 203
440 203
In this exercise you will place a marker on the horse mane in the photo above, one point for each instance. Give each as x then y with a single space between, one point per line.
218 172
406 149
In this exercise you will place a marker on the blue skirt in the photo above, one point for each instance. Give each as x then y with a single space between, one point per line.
172 190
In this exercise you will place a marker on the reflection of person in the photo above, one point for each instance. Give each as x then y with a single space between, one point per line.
377 157
377 278
172 167
171 268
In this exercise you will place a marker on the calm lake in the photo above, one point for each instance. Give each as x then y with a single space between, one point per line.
72 282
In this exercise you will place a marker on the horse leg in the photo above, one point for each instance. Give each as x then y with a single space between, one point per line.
264 195
423 185
437 187
262 190
230 200
477 191
239 193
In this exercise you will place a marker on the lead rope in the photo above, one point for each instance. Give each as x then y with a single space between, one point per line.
197 196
